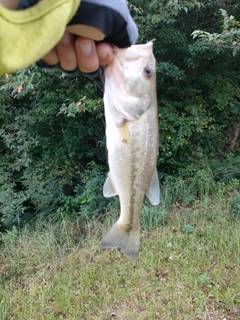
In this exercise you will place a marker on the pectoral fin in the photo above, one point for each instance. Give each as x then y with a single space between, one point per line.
125 134
131 108
153 191
109 189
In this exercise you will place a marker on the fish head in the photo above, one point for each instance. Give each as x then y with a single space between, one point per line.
135 69
130 83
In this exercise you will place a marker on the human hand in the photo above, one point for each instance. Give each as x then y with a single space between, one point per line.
27 35
95 20
72 53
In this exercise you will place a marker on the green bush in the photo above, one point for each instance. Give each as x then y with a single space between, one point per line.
47 142
88 201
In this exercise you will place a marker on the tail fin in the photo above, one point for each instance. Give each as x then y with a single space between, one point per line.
118 237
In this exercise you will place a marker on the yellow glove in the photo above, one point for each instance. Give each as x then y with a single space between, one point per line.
23 33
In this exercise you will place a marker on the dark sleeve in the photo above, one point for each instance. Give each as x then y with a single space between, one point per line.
23 4
112 17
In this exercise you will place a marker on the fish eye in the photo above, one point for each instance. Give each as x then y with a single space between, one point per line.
148 71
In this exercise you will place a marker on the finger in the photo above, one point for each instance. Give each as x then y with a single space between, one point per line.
105 53
87 57
51 58
12 4
66 52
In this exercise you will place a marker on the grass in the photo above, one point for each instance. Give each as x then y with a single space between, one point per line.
188 268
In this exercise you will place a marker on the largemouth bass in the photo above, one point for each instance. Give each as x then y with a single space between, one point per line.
132 141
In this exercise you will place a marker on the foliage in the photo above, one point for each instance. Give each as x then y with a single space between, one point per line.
53 157
228 38
44 153
88 201
198 85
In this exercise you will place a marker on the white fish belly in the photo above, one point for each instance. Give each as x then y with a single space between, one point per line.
132 155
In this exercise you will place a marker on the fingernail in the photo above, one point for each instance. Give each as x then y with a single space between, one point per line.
102 54
86 47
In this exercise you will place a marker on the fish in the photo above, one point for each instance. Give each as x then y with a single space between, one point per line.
132 137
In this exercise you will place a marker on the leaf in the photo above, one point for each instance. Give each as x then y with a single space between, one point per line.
58 314
165 272
234 52
130 304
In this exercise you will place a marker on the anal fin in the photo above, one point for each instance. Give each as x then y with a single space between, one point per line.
153 191
108 188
